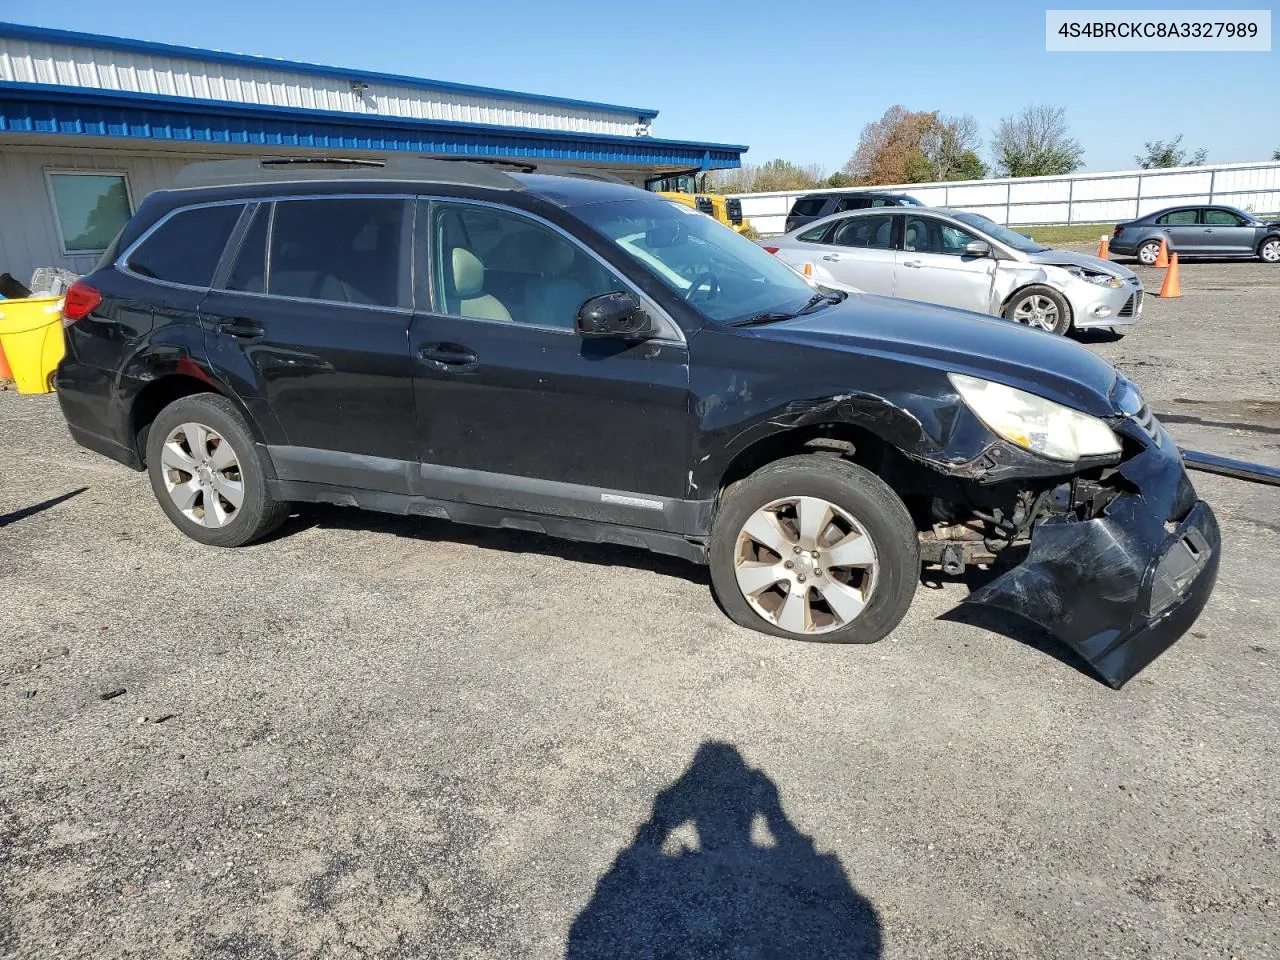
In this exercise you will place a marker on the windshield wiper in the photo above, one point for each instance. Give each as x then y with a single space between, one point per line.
776 316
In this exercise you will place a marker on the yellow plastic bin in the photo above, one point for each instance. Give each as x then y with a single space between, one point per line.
31 337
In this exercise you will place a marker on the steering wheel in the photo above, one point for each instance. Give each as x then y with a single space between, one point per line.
707 280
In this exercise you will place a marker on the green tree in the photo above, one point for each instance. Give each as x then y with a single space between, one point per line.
950 147
906 146
969 166
1036 143
774 175
841 179
1158 154
1275 154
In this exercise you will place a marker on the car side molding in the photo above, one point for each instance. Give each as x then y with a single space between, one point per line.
1228 467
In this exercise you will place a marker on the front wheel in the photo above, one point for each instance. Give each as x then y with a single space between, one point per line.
815 548
206 473
1041 307
1269 250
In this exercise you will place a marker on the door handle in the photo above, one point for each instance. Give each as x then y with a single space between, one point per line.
242 329
1208 230
448 356
831 256
912 263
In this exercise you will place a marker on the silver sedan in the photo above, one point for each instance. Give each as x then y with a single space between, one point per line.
961 259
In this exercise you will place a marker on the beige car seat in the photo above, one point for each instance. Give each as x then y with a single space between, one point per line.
468 287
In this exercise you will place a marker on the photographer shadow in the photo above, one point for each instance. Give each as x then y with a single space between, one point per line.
719 870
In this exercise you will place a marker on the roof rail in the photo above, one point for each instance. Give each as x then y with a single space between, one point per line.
216 173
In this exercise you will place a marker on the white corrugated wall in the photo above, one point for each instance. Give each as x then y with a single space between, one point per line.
26 61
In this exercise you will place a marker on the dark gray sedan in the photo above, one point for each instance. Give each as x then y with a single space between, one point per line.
1201 231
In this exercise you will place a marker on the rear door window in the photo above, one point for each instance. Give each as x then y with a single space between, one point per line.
808 206
871 233
186 247
1178 218
852 203
344 250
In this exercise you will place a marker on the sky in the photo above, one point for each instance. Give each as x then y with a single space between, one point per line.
788 78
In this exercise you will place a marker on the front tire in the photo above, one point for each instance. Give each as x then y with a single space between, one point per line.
207 475
1269 250
1040 307
814 547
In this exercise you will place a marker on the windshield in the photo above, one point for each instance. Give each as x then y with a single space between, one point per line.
721 273
1006 236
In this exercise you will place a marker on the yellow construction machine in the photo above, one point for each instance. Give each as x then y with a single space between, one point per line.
683 188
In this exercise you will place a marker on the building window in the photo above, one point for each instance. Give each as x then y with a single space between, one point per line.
89 208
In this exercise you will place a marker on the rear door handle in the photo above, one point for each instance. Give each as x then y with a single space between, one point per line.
913 263
242 329
448 356
831 256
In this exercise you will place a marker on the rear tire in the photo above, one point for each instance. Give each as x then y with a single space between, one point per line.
1148 253
207 474
867 568
1041 308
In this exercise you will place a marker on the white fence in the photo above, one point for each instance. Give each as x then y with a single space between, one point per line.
1078 198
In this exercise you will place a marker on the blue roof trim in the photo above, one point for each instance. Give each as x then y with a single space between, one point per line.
20 31
74 111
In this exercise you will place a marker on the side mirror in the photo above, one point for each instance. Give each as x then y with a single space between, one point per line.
977 248
613 315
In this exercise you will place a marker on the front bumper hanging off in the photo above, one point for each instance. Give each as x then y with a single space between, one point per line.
1120 588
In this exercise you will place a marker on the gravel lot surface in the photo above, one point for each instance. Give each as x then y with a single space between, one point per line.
384 737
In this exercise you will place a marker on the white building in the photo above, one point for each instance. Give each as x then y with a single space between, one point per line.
89 125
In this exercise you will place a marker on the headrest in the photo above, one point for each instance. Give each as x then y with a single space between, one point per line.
468 273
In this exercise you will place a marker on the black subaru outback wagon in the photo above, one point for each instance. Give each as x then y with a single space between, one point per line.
585 359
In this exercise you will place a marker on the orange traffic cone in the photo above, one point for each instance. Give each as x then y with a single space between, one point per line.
1162 258
5 372
1171 289
808 269
1104 248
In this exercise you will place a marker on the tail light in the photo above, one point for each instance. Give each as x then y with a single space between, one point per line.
1119 230
79 301
771 249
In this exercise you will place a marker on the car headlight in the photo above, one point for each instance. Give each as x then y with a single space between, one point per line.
1092 276
1034 423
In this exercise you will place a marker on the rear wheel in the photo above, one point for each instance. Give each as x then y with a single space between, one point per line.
207 474
815 548
1041 307
1269 250
1149 252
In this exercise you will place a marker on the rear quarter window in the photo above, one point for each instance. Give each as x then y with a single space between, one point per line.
1177 218
814 234
186 247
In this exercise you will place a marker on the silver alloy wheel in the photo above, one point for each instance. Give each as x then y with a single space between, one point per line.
1149 253
805 565
202 474
1037 310
1270 251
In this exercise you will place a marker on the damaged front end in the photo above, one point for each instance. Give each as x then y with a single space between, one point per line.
1119 562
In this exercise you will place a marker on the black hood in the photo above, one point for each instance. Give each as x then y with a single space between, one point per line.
957 341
